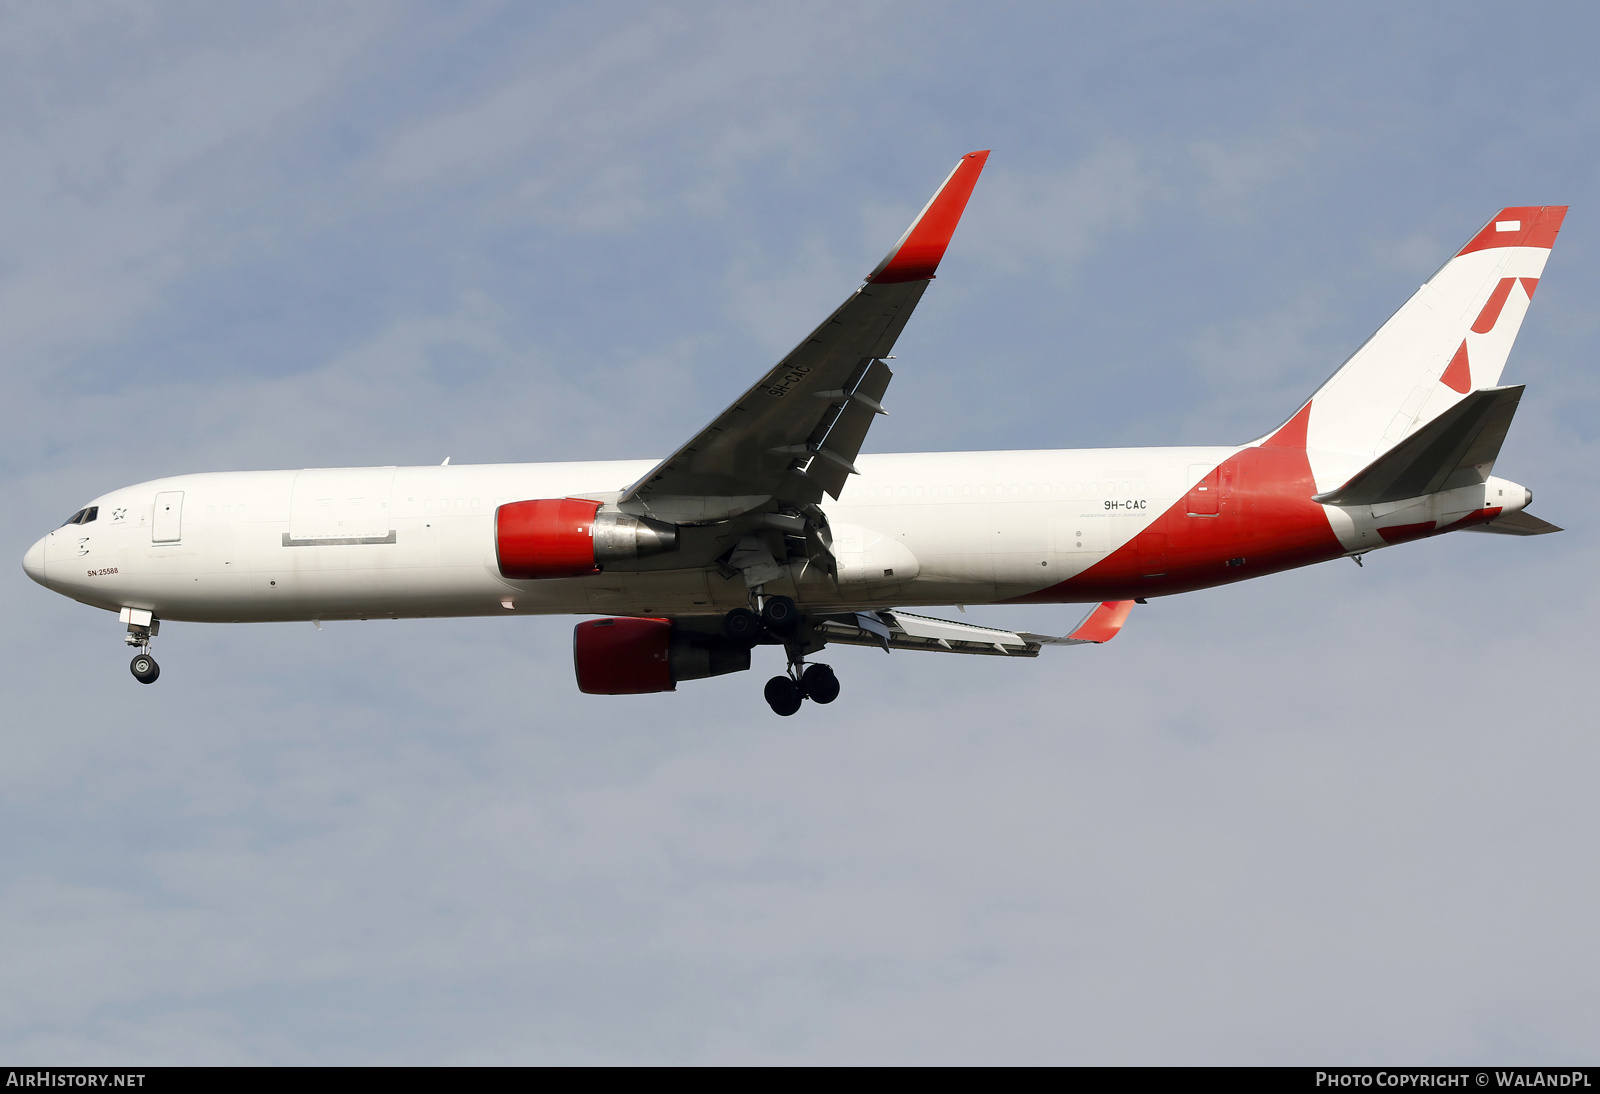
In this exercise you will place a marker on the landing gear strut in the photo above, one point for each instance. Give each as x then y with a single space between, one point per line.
779 620
142 627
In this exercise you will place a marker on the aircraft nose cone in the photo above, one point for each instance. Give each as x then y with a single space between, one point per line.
33 562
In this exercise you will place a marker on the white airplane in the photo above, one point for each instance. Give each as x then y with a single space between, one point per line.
770 527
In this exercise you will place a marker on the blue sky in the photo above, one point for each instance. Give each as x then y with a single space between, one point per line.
1332 816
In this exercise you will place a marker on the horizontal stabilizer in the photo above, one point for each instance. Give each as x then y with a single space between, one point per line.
898 630
1458 448
1515 524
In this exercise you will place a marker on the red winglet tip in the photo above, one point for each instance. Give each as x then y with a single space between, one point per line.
916 257
1104 622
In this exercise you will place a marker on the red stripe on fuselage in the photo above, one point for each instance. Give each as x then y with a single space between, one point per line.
1266 522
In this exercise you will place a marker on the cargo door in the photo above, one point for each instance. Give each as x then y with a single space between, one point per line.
167 527
341 505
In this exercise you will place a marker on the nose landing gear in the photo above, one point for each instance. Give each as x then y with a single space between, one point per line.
142 627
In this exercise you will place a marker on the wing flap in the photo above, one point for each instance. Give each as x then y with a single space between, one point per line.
836 442
899 630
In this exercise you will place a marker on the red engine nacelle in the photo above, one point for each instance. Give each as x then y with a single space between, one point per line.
551 537
570 537
634 656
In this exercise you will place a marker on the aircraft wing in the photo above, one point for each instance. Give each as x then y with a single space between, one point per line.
796 433
900 630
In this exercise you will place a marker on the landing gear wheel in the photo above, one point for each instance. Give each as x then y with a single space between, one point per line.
144 668
820 684
742 625
780 615
783 695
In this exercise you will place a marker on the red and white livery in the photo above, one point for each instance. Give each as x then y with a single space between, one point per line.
770 526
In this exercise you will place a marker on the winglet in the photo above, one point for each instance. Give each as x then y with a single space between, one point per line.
917 255
1102 624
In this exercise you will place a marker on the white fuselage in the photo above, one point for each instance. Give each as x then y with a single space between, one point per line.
933 528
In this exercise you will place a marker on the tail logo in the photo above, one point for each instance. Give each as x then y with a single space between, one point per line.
1458 374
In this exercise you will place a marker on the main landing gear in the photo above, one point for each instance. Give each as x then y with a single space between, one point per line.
814 682
142 627
780 621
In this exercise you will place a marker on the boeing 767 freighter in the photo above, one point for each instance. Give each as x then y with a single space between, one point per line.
769 526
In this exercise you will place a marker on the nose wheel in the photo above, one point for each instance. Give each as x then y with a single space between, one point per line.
142 627
144 668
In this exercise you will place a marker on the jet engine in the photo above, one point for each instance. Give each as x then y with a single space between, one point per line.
570 537
634 656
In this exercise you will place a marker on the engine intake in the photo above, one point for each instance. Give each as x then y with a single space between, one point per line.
570 537
635 656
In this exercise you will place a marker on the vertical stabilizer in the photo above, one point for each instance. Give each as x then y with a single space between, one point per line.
1451 338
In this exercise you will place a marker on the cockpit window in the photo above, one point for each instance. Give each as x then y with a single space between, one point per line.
82 516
